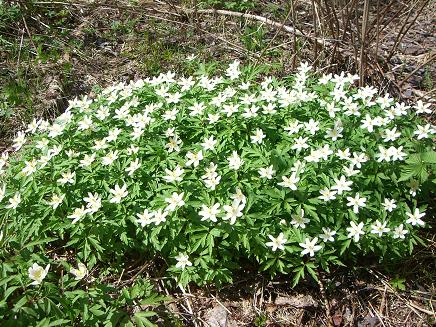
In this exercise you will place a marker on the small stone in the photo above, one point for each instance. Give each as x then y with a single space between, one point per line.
298 301
217 317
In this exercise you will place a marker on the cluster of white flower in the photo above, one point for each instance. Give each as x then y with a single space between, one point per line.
116 125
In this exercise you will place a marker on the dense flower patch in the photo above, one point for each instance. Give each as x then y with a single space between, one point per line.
209 172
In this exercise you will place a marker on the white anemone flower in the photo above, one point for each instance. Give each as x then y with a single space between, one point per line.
277 242
80 272
38 273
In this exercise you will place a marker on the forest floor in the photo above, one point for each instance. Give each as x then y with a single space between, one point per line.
55 51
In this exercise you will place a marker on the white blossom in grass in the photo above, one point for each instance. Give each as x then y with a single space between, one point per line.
342 185
268 95
43 126
334 133
80 272
19 141
277 242
137 133
250 112
235 162
344 154
352 108
213 118
244 86
338 93
358 159
423 108
258 137
56 130
42 144
399 232
389 204
414 187
93 202
100 145
33 126
134 166
356 202
170 132
327 194
293 127
298 219
314 156
354 231
186 83
113 135
170 114
87 160
397 153
290 182
194 158
2 192
233 71
29 168
300 143
401 109
145 218
118 193
368 123
350 171
383 155
385 102
311 126
173 97
77 214
197 109
233 211
332 109
85 123
183 261
209 143
160 216
391 134
423 131
325 152
174 175
325 79
269 109
310 247
212 182
102 113
56 200
209 213
108 159
230 109
239 196
267 172
53 152
71 154
68 177
14 201
415 218
173 144
176 200
327 235
248 99
210 172
38 273
379 228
